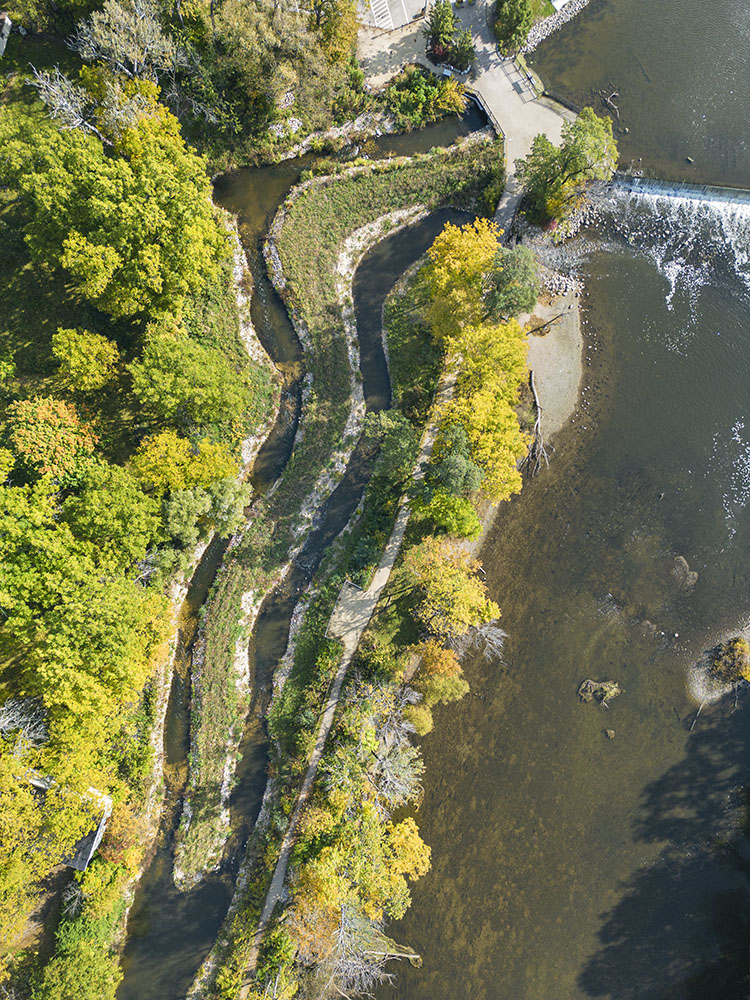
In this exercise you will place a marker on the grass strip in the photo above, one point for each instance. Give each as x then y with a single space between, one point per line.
318 218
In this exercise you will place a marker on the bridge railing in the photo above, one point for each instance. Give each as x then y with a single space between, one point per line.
477 97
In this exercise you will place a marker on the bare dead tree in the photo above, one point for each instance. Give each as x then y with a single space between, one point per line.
487 639
396 775
537 454
67 102
74 107
392 728
73 899
181 102
25 717
128 36
356 962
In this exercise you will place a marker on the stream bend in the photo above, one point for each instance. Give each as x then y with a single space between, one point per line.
170 932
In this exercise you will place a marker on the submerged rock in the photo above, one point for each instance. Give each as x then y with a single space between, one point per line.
602 691
685 577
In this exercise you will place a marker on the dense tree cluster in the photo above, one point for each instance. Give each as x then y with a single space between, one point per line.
353 862
237 75
417 97
472 282
135 231
446 40
119 445
513 21
555 178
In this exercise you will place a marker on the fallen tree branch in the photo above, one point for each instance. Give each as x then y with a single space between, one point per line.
611 104
537 453
696 716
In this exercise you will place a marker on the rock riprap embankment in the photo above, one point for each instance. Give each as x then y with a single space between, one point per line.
543 29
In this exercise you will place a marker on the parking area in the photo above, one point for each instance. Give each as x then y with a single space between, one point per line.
389 14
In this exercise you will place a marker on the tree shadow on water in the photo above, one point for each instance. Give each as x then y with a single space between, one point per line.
682 929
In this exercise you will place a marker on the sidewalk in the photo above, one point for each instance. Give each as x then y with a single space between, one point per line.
505 90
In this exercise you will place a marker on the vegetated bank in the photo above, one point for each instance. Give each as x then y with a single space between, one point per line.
351 862
318 217
128 395
139 385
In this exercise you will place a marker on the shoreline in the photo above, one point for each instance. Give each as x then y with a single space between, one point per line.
556 359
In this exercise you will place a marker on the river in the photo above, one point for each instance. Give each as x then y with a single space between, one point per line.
567 865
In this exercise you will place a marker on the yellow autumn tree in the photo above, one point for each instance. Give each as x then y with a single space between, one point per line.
167 461
491 372
458 259
437 659
410 856
451 597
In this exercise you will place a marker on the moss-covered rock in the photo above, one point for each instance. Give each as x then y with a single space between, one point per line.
730 661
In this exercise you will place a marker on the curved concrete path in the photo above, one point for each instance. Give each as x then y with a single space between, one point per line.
349 619
505 91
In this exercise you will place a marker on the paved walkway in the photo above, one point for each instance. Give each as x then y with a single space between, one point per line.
349 620
504 89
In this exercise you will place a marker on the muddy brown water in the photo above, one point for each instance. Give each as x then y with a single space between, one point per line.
568 866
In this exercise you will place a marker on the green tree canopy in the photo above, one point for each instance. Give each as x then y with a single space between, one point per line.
87 360
440 26
398 444
111 511
451 468
83 639
454 515
182 381
268 51
462 52
513 20
555 178
512 283
335 21
133 228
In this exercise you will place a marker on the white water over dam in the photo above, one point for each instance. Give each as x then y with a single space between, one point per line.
687 230
682 191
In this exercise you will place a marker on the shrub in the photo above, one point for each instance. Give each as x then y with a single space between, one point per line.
416 97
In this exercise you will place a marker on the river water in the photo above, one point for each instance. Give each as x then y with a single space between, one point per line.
567 865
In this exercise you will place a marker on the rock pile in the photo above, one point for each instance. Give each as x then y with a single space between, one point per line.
561 284
545 28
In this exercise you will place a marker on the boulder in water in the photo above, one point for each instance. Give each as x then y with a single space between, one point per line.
730 661
685 577
602 691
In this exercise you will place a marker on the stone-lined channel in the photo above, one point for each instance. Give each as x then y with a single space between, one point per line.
170 932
